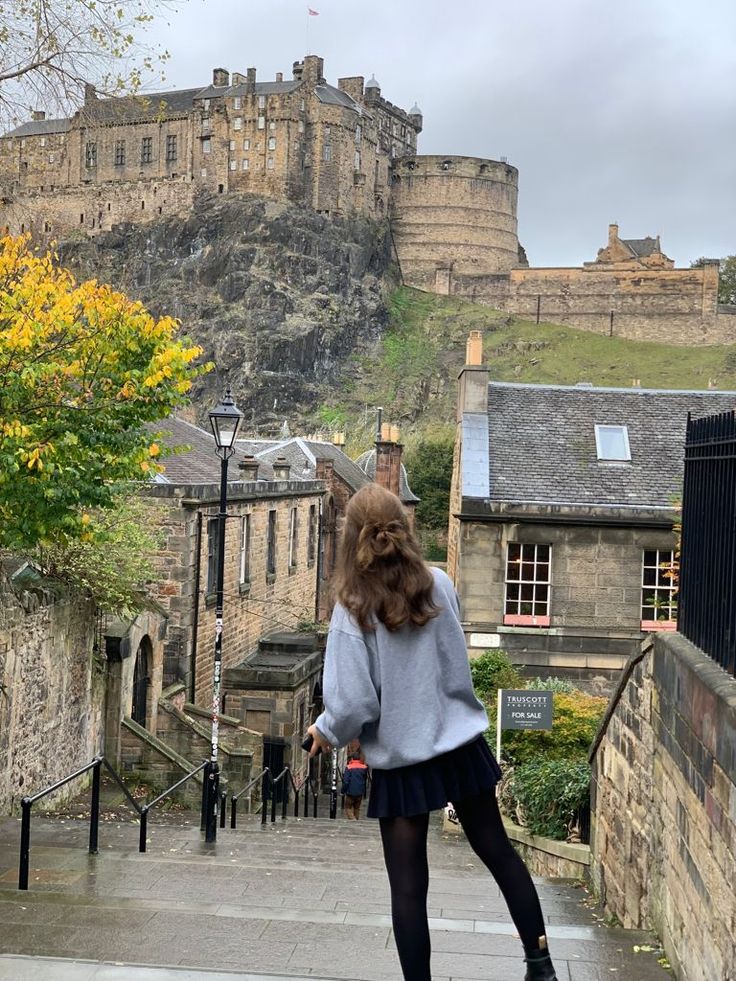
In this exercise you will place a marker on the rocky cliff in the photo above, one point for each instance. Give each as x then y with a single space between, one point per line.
279 297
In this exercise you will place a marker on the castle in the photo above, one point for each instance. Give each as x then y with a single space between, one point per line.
340 150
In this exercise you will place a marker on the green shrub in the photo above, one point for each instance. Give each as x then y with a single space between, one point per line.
548 794
493 670
575 722
551 684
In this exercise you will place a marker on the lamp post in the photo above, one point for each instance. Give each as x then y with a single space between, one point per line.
225 420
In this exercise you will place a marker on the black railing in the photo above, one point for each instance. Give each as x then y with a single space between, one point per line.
707 601
157 800
94 811
269 791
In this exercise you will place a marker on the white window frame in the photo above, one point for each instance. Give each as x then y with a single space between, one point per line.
246 144
238 122
233 165
261 101
663 590
261 122
207 145
232 144
246 164
529 554
270 163
624 430
272 143
237 102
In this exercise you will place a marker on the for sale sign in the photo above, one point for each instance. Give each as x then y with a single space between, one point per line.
525 709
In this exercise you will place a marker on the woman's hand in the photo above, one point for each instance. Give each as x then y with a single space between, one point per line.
319 743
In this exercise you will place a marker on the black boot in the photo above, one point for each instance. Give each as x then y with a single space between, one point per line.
539 966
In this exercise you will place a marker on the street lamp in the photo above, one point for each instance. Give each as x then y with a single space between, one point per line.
225 420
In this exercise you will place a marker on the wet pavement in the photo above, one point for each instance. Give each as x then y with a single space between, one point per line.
301 899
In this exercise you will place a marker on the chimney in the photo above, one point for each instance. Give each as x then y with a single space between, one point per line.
324 470
298 70
474 348
238 78
338 439
354 86
281 468
248 468
251 81
279 76
388 459
38 115
220 77
612 235
473 379
90 93
314 68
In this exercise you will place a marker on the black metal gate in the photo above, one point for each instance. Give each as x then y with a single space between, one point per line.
707 605
141 681
273 757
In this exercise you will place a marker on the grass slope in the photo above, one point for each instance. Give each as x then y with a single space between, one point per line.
412 372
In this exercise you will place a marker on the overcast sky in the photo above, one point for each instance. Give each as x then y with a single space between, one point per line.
622 111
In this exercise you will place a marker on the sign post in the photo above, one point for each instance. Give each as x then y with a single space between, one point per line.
522 710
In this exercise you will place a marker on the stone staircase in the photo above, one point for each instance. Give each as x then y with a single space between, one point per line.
298 899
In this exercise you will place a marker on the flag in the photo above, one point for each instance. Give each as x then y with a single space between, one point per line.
312 13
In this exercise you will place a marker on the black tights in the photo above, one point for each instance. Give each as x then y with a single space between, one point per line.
405 852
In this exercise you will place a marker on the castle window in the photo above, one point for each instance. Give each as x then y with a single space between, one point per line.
327 130
81 219
232 144
271 545
301 125
206 124
203 172
244 549
327 152
246 164
301 105
119 153
269 163
293 538
233 165
147 149
272 125
238 122
207 145
90 155
237 102
206 105
272 143
43 141
312 536
51 158
261 122
246 144
171 148
261 101
357 159
358 134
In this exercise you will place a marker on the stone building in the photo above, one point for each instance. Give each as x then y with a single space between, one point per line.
133 158
561 540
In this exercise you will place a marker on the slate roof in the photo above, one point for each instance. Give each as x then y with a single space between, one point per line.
262 88
302 454
542 447
197 465
331 96
367 463
149 104
642 247
41 127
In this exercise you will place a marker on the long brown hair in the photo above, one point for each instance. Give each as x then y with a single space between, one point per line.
380 571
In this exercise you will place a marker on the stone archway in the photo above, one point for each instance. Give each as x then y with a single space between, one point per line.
142 681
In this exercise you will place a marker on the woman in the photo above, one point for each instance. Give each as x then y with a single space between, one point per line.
397 677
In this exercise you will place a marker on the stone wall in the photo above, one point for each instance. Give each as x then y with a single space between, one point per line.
51 691
453 217
664 806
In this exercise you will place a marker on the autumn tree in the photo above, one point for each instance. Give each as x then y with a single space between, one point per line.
49 50
84 372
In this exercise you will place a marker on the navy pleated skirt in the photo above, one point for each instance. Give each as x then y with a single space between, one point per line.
428 786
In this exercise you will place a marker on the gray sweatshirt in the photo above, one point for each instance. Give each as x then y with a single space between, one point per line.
406 695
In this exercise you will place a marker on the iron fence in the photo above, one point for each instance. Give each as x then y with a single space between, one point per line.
707 603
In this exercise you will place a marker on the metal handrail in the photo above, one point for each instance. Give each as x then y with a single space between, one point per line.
268 781
27 803
147 807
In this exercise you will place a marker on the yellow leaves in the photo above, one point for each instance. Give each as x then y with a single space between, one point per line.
145 466
14 429
154 449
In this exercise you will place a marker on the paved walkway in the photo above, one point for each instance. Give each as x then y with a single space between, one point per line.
300 900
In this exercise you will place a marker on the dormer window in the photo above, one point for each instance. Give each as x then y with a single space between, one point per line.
612 443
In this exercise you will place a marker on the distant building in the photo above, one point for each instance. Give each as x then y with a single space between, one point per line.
561 540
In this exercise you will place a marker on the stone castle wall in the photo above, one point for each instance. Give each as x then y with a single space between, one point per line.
664 806
51 693
454 218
